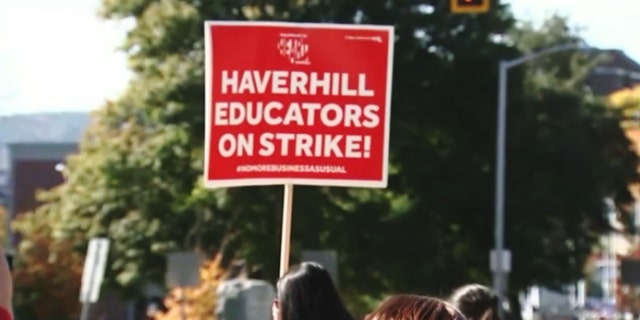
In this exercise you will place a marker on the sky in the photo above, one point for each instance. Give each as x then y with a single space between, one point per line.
60 56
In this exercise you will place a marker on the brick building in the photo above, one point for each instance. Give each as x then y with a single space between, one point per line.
32 167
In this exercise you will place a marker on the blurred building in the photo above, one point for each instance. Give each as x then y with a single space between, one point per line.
32 167
614 74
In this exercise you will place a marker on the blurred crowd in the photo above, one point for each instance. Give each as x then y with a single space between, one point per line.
306 292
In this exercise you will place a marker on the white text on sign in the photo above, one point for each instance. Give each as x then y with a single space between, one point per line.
297 113
294 82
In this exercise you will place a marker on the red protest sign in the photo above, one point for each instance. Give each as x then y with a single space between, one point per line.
297 104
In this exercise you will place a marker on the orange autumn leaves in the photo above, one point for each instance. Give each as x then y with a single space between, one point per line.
628 102
49 272
199 301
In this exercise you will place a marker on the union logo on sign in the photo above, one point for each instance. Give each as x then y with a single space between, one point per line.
294 47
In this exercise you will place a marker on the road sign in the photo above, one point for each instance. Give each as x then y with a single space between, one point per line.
284 107
94 266
183 269
470 6
240 299
500 261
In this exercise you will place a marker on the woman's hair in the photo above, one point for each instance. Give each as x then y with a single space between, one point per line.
306 292
414 307
476 302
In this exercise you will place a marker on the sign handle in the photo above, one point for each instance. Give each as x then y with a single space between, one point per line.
84 315
183 297
86 299
285 244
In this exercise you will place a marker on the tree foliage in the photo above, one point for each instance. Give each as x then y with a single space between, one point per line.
137 176
568 152
48 273
564 70
4 222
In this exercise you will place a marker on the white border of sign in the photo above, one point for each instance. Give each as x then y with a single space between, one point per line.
278 181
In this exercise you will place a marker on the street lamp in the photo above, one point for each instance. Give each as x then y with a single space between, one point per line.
500 258
60 167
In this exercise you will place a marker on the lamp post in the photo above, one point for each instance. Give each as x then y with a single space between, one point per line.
500 258
60 167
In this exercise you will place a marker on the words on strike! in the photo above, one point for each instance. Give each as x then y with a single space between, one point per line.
302 113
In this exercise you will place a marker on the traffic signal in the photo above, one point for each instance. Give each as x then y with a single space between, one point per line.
469 6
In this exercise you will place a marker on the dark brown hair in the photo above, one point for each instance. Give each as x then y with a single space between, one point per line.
306 292
476 302
414 307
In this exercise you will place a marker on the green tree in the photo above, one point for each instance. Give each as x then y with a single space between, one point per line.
565 70
566 152
137 176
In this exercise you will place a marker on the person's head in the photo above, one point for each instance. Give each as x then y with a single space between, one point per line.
476 302
414 307
306 292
